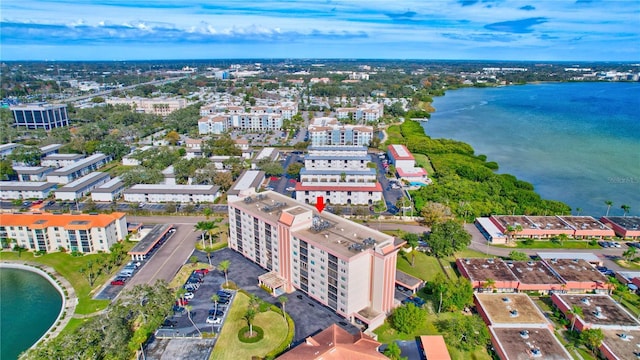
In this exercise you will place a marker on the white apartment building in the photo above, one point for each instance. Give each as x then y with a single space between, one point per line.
162 193
327 131
157 106
108 192
60 160
78 169
32 173
81 187
213 124
7 149
221 117
345 266
13 190
82 233
50 149
340 175
363 112
248 182
405 164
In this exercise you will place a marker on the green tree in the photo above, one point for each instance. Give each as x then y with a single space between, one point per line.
609 204
625 208
189 308
447 238
194 260
630 253
489 283
215 298
224 267
249 316
283 300
6 170
293 171
518 256
575 312
592 338
433 213
464 332
408 318
28 155
271 168
412 240
393 351
172 137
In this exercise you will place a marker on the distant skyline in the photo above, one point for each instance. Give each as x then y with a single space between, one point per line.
538 30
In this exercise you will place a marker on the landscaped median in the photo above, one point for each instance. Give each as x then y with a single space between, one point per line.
275 329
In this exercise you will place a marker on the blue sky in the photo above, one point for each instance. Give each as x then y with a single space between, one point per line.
553 30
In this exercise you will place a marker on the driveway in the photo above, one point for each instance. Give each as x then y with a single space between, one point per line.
308 315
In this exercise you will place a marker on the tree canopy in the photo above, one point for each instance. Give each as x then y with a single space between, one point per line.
408 318
448 237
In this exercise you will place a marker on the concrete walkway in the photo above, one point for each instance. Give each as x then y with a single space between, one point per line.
69 300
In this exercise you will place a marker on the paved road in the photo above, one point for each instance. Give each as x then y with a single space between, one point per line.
166 262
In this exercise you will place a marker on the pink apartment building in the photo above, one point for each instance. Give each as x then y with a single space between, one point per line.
346 266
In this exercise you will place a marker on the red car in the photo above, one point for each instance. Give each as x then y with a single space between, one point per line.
201 271
182 302
275 178
292 180
117 282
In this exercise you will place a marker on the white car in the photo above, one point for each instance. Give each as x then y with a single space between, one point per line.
290 188
615 244
214 320
188 295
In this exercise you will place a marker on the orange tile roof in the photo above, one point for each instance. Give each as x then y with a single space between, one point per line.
335 343
434 347
67 221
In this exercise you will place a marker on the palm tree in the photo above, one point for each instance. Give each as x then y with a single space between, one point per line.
575 311
207 212
203 226
224 267
630 253
562 238
250 315
283 300
489 284
215 298
189 307
578 211
625 208
208 250
609 203
412 241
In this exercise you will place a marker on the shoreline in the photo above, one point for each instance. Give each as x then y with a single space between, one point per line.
64 288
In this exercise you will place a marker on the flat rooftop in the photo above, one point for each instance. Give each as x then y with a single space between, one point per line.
32 170
172 189
26 185
111 185
483 269
63 157
248 179
344 237
548 223
517 346
624 344
626 222
576 270
591 304
146 244
508 220
88 161
84 181
584 223
499 307
533 272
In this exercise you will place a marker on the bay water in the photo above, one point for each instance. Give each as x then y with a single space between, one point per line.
575 142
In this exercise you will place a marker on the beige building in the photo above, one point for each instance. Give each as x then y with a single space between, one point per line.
157 106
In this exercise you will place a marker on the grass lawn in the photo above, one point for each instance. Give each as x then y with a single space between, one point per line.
393 134
423 162
184 273
229 347
425 267
387 334
547 244
633 265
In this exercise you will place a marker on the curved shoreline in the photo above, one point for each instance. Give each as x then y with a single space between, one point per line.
64 288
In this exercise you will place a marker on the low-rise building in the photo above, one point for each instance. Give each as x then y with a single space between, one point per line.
47 232
546 227
345 266
487 275
7 149
249 180
620 344
627 227
81 187
577 275
162 193
335 343
108 192
527 343
157 106
32 173
405 164
266 154
14 190
78 169
60 160
535 276
510 310
50 149
434 347
598 311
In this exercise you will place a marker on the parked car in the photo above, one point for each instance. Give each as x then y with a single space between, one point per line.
188 296
615 244
224 300
178 309
117 282
634 244
214 312
182 302
417 301
201 271
169 323
604 244
214 320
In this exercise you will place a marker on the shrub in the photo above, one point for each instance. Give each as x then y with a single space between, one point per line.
258 334
287 341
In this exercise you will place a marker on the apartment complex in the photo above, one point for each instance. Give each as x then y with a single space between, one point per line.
405 164
344 265
78 169
14 190
32 173
156 106
328 131
81 187
363 112
339 174
220 117
162 193
627 227
47 232
40 116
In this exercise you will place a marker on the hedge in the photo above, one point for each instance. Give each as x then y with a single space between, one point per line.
256 329
288 339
